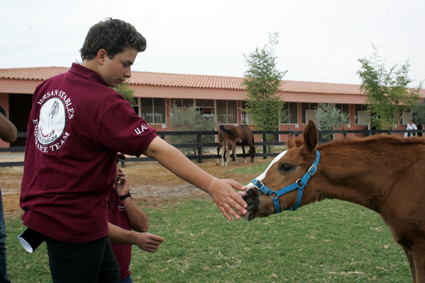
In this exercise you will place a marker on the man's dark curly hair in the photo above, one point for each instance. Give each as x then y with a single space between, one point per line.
114 36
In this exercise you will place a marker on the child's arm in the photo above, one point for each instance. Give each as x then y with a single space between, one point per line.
222 191
8 131
137 217
145 241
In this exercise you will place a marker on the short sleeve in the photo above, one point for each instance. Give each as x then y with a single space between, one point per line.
123 131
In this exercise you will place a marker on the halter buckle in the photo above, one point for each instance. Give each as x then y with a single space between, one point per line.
314 167
256 183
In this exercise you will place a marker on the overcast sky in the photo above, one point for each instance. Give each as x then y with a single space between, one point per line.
319 40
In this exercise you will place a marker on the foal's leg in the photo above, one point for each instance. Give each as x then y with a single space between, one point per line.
411 263
218 153
228 148
243 153
419 260
234 153
223 152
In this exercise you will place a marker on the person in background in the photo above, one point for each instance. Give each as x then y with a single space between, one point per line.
8 133
76 127
410 126
123 216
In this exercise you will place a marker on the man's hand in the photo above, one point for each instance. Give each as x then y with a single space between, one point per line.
227 199
148 242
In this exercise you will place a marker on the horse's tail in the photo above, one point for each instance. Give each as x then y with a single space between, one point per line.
220 134
222 128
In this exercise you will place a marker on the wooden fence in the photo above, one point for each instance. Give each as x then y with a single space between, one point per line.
199 144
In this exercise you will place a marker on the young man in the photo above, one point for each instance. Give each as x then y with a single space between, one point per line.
8 133
76 127
124 215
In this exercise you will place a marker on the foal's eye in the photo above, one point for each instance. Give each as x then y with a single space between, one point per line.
286 167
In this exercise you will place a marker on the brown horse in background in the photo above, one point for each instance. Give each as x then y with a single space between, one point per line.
241 135
383 173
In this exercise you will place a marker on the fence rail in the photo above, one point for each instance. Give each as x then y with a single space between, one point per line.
199 145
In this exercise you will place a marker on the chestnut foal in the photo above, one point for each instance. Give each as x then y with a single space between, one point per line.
376 172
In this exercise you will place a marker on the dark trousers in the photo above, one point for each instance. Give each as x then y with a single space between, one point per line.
82 263
3 268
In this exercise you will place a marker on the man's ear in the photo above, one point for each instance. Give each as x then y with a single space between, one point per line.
101 56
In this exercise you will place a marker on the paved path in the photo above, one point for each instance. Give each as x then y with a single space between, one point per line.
11 156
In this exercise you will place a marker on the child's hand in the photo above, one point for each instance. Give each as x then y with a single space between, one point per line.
121 183
148 242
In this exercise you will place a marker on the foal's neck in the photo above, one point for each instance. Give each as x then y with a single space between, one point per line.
361 174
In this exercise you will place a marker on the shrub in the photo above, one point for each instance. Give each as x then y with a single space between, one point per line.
191 119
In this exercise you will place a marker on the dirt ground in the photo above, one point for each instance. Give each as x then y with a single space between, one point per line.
150 183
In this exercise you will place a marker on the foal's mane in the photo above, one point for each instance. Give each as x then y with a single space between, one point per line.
382 140
365 141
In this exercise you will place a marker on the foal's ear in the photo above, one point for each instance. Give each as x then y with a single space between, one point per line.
291 142
310 136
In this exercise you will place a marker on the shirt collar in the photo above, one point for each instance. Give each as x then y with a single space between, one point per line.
86 73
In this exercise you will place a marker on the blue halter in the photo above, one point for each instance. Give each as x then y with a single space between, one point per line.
299 184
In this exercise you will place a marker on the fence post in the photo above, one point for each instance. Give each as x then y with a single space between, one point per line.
264 146
199 137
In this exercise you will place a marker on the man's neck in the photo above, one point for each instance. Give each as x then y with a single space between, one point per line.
90 64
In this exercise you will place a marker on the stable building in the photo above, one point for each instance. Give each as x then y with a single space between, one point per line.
220 98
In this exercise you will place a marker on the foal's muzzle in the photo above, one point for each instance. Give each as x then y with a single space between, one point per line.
252 198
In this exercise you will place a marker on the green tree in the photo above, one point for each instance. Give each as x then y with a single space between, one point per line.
388 95
263 81
330 118
190 119
419 112
125 90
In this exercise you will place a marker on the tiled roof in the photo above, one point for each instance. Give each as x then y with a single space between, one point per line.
38 73
180 80
189 81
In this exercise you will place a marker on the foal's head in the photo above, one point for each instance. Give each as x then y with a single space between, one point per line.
284 170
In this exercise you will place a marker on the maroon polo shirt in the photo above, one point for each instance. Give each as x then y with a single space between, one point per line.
76 127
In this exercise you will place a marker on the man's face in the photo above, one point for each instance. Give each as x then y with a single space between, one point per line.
115 71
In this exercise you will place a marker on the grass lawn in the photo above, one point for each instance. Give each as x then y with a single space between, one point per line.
329 241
